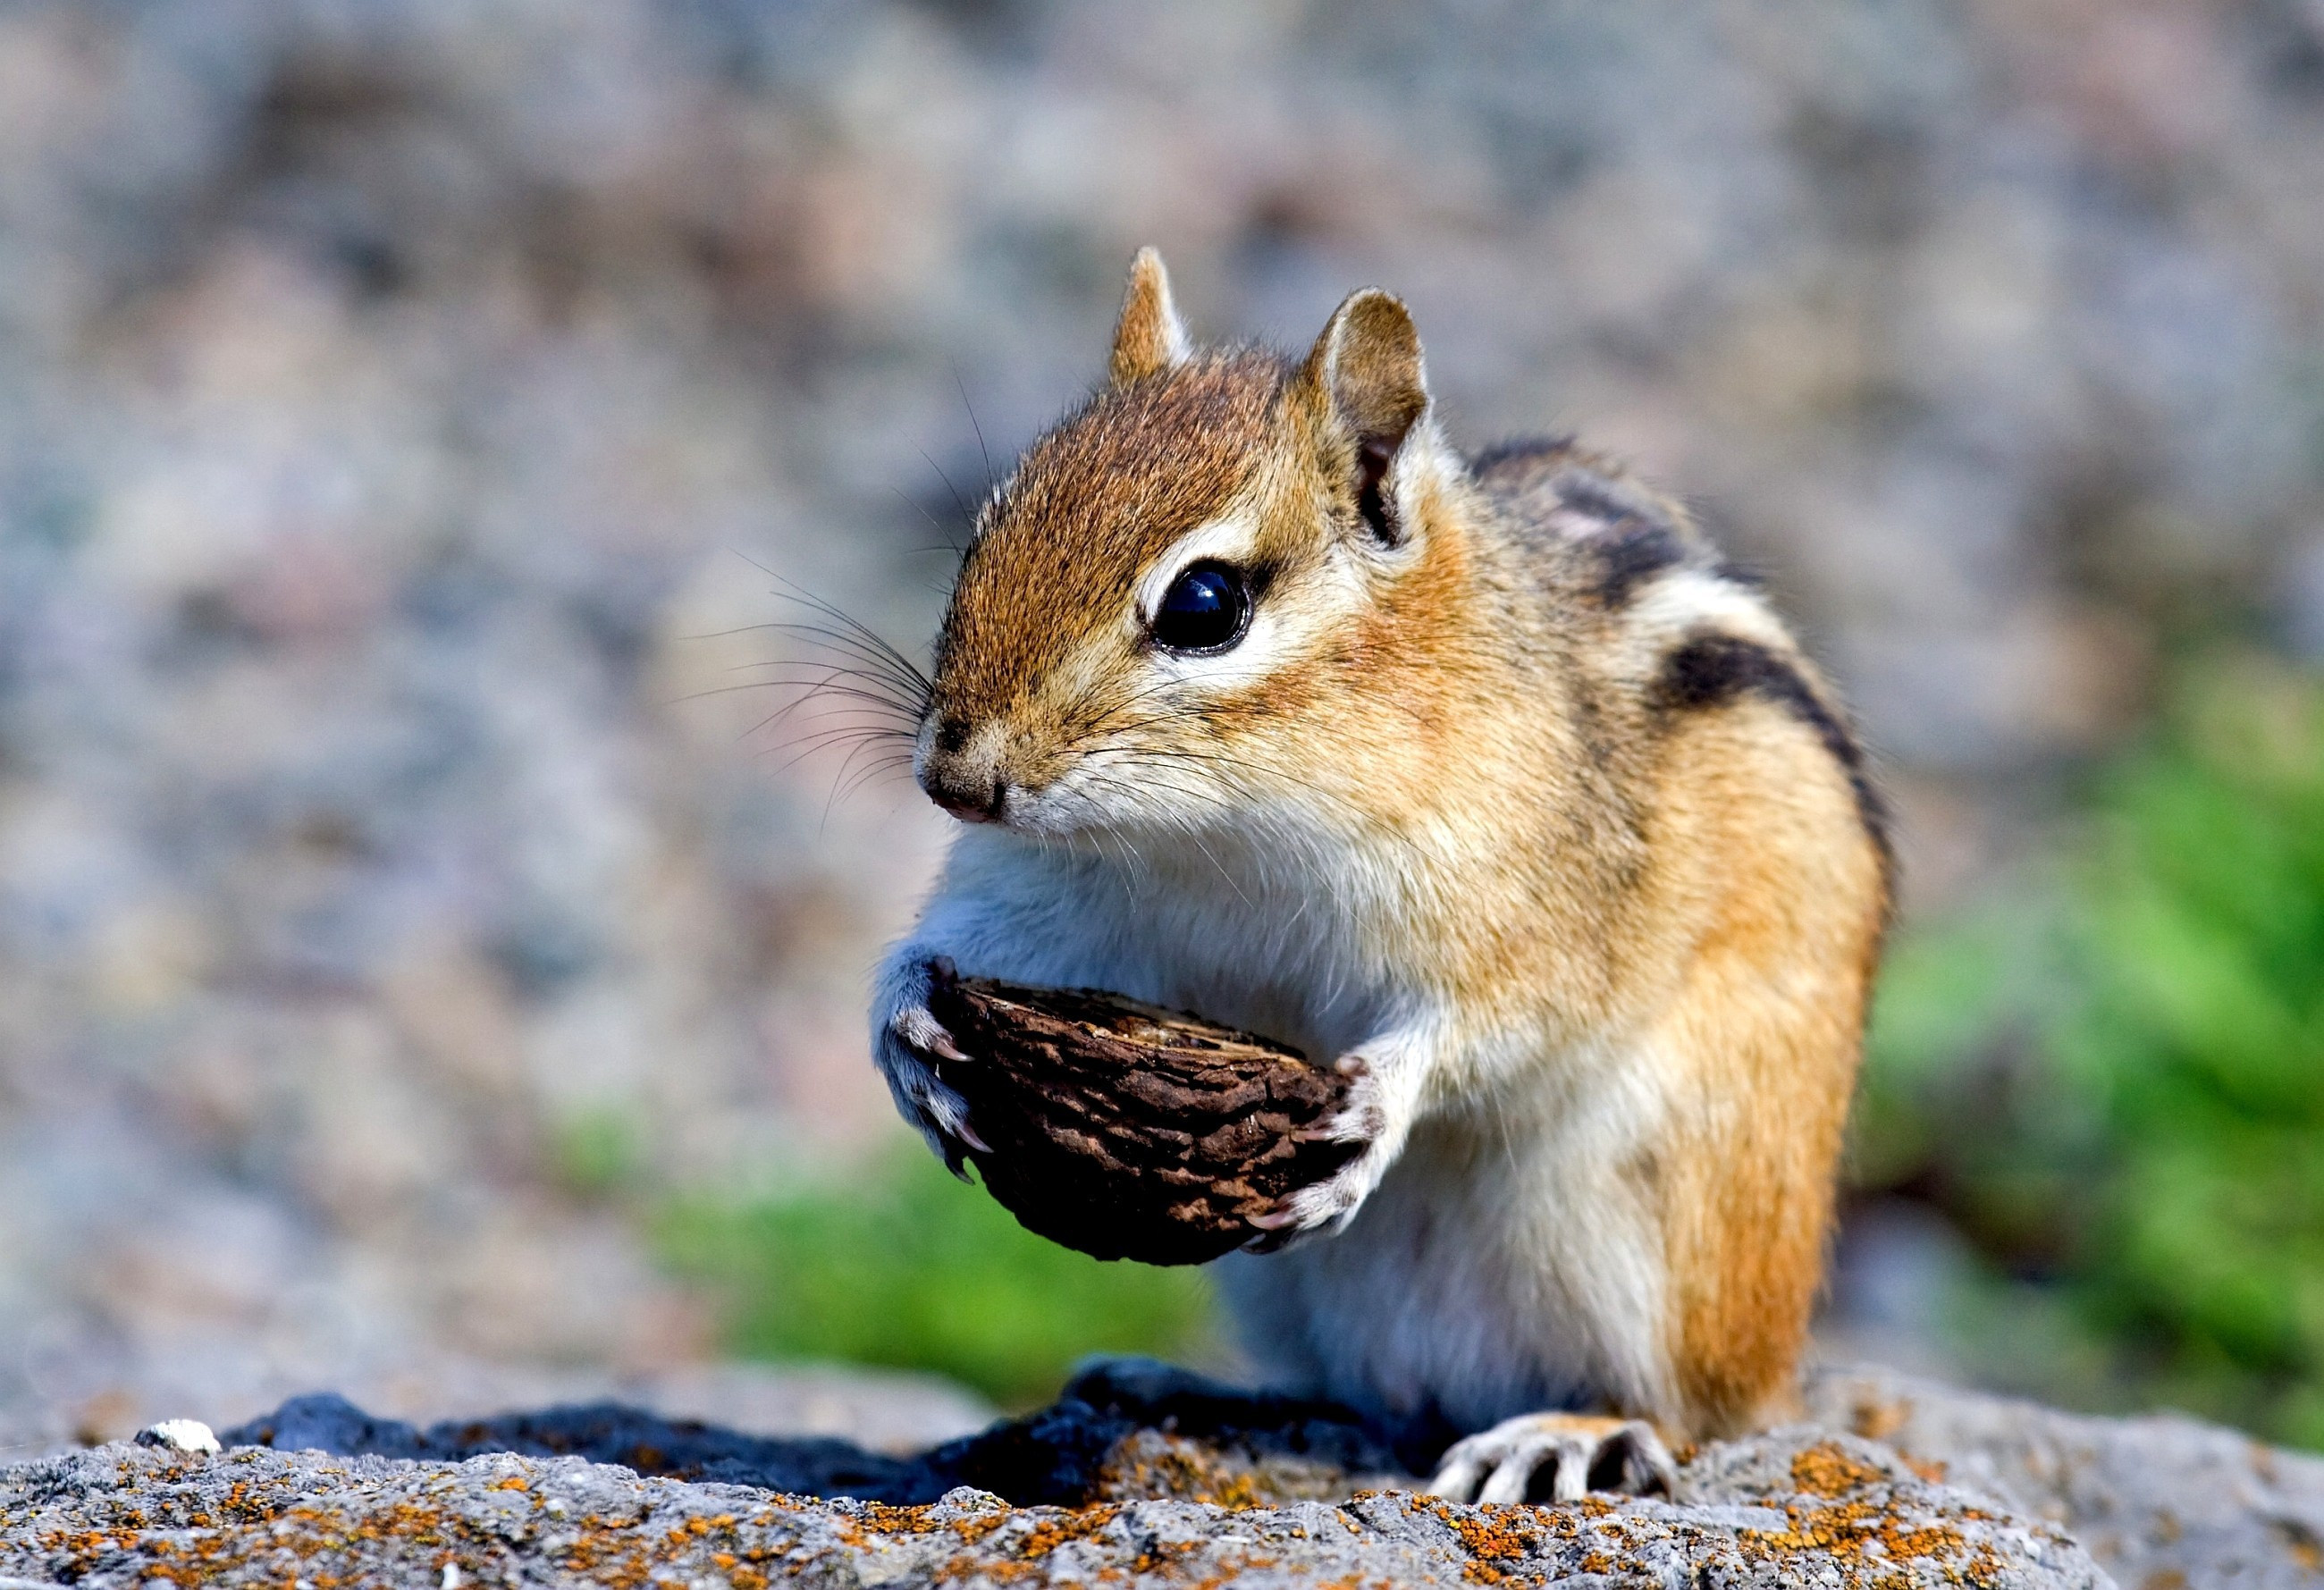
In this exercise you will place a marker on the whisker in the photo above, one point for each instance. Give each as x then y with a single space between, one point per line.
821 739
921 509
983 451
957 500
903 717
879 766
820 744
877 666
869 699
828 678
831 799
871 654
870 637
846 717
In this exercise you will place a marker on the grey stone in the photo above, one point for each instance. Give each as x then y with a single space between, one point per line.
1156 1473
2161 1500
183 1435
1799 1508
1140 1473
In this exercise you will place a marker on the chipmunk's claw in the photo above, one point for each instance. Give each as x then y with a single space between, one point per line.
921 1032
1330 1204
1578 1453
906 1046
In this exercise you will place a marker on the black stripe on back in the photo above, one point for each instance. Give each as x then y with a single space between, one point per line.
1633 551
1712 670
1518 450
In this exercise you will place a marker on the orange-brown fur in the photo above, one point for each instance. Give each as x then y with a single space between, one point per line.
1748 1189
1523 757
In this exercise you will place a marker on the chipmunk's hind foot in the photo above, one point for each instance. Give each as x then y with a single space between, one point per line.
1556 1458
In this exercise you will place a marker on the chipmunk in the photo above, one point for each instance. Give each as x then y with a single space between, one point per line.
1485 778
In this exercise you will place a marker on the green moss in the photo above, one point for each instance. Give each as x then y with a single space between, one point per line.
906 1267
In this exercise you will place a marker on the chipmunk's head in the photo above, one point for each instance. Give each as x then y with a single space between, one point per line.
1164 609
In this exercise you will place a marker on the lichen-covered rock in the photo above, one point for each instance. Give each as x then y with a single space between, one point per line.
1800 1508
1147 1473
2163 1501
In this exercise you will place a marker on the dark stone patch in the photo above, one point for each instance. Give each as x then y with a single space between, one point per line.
1063 1456
1712 670
603 1432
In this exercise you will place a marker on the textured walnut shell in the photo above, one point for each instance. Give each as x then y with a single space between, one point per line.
1129 1132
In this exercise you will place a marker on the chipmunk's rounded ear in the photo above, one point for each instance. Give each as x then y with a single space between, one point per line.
1366 370
1368 363
1150 337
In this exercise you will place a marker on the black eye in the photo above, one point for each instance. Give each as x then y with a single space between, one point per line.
1206 609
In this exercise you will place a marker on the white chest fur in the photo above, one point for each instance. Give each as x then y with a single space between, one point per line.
1509 1260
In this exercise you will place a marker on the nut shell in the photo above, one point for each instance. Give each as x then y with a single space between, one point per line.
1130 1132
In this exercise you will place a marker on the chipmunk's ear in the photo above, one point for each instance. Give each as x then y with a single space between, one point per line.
1150 338
1366 371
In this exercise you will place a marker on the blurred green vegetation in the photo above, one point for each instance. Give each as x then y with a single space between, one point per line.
2113 1084
596 1152
901 1265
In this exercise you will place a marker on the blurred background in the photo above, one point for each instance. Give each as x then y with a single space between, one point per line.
419 960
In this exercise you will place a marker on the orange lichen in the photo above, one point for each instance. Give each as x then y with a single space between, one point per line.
1053 1529
1185 1472
1867 1536
1490 1535
1876 1420
1824 1470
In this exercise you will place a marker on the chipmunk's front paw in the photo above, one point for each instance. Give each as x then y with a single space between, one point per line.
906 1041
1330 1204
1556 1458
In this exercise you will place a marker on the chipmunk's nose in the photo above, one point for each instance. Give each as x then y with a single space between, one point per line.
966 785
972 797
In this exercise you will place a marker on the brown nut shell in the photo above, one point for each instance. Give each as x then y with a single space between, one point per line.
1130 1132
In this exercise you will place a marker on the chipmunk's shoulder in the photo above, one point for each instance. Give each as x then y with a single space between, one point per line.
1593 524
1648 607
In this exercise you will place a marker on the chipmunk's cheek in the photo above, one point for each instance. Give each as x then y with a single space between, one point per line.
1071 798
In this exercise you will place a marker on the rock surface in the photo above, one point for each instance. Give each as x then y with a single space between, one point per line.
2161 1501
1789 1510
1145 1475
1138 1473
